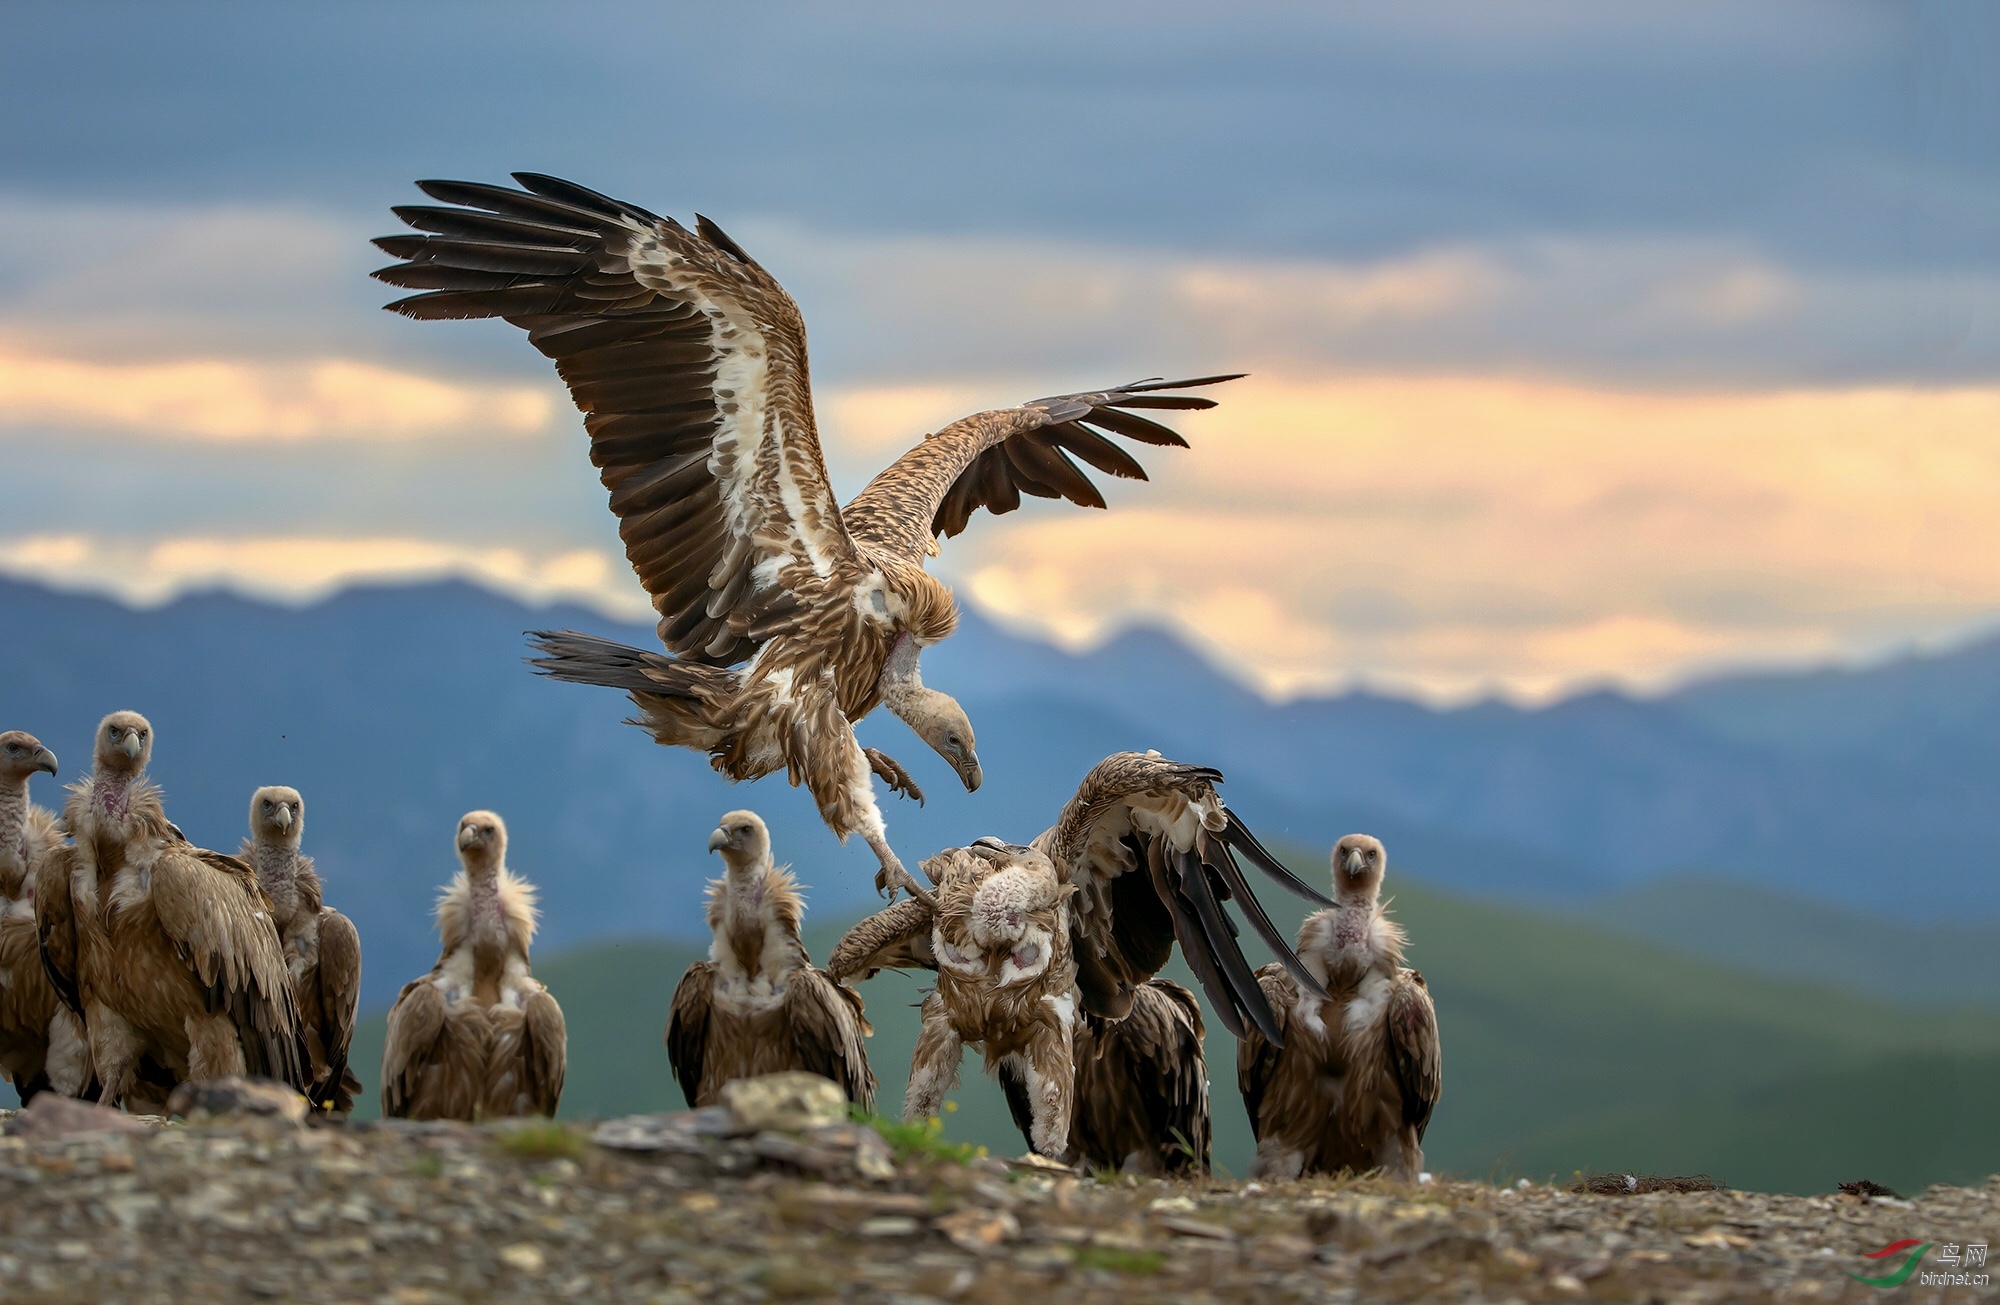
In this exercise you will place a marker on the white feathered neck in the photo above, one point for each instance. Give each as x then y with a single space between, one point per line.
517 910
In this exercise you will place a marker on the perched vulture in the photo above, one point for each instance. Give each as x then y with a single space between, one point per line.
786 617
477 1037
1359 1069
42 1042
1141 1087
167 949
1140 858
757 1005
322 948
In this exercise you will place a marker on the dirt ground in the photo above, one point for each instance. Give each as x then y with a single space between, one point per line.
686 1208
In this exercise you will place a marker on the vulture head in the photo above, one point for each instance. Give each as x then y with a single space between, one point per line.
22 754
743 840
936 717
1358 863
277 815
1014 916
482 840
124 744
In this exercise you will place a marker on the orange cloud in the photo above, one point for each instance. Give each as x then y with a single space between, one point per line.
249 399
300 569
1453 535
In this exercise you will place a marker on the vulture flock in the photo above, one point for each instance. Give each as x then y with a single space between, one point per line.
132 960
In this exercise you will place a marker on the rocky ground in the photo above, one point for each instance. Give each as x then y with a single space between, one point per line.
729 1206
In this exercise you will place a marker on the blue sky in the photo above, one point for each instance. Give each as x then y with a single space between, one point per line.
1589 343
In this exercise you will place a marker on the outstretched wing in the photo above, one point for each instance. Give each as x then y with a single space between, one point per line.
1414 1051
898 938
827 1028
992 458
1153 850
217 918
1256 1055
687 1027
688 361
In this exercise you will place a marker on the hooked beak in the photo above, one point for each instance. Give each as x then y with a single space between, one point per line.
1355 861
284 817
467 837
718 840
130 746
45 760
971 775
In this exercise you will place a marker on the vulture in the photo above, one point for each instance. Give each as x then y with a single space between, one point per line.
1025 940
1354 1080
477 1037
42 1042
757 1005
167 950
785 615
322 948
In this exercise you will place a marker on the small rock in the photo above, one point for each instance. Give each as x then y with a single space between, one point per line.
978 1230
524 1256
889 1225
784 1103
50 1115
1566 1284
260 1098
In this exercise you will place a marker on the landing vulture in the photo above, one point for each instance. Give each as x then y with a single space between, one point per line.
757 1005
477 1037
322 948
1359 1069
168 950
42 1042
786 617
1141 858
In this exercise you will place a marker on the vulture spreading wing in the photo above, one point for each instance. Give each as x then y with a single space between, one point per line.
689 363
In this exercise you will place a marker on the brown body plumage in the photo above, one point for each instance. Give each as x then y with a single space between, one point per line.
322 948
1358 1072
787 616
479 1036
42 1042
1024 939
168 949
757 1005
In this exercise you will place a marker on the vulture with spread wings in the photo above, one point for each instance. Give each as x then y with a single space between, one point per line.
786 617
1141 859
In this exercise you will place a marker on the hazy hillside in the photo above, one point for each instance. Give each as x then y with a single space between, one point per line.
397 709
1565 1048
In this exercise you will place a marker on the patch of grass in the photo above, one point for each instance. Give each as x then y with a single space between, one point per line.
1131 1263
543 1139
427 1166
920 1141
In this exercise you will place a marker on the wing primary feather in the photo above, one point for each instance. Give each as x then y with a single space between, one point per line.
1224 864
1238 835
581 196
1200 958
1220 936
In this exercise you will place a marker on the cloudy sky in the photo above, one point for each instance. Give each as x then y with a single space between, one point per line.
1590 343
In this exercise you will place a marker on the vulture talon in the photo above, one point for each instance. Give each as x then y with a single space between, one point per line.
892 773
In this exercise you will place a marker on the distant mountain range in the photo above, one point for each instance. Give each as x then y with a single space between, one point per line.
397 709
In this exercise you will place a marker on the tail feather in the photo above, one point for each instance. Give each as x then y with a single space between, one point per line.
583 658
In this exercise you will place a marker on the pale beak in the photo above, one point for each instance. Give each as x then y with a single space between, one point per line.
467 837
717 841
971 774
1355 861
131 746
45 760
284 817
